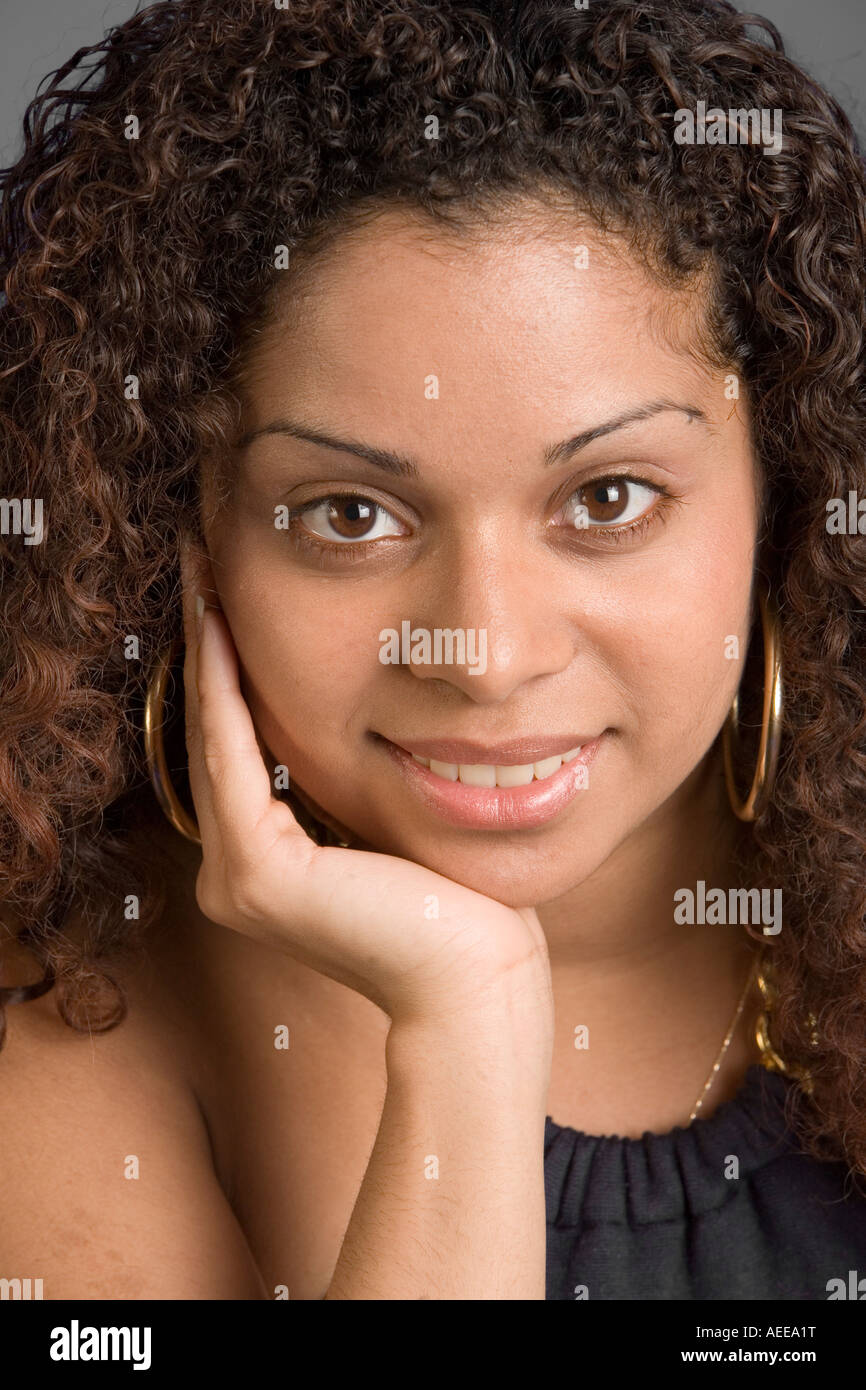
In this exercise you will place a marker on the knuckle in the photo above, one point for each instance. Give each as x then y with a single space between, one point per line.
209 897
232 898
213 898
246 901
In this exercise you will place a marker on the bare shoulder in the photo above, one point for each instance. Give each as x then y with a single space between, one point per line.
108 1182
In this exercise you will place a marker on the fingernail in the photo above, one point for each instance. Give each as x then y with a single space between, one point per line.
199 616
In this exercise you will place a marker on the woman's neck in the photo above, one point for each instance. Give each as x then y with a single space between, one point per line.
655 996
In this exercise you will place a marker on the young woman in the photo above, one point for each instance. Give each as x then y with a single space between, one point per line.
448 427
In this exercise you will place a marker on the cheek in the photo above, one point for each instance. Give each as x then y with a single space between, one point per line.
306 660
681 658
306 646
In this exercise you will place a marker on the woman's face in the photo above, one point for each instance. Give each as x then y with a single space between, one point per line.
599 589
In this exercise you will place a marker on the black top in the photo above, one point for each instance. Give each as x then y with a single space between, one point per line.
657 1217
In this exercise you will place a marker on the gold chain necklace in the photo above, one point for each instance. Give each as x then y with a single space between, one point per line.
753 969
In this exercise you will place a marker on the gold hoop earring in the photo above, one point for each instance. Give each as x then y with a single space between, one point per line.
771 723
154 748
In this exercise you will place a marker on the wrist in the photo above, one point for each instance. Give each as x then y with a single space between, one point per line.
510 1017
490 995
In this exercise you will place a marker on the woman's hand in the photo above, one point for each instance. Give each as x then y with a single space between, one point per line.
354 915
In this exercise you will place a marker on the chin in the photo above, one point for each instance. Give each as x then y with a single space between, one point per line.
521 869
512 885
516 875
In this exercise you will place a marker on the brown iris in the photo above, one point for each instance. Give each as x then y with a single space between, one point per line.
605 501
351 517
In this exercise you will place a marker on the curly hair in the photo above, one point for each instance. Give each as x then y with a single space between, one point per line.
139 236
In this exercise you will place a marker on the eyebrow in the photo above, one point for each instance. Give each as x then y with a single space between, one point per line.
404 466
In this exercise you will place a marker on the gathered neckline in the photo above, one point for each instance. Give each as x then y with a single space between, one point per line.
690 1169
757 1079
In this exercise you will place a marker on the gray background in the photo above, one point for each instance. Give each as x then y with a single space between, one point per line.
827 38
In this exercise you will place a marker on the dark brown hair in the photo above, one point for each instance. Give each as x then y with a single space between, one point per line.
154 257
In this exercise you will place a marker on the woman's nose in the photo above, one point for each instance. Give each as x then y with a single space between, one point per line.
492 621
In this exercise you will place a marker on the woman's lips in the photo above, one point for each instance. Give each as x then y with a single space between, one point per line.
497 808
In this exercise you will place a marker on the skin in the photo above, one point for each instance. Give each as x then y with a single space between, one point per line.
584 634
305 1168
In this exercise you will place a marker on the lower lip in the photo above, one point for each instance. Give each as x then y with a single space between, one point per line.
496 808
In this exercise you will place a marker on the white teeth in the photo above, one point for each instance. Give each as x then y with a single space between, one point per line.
447 770
477 775
486 775
515 776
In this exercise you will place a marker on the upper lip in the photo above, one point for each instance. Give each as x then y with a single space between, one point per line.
516 751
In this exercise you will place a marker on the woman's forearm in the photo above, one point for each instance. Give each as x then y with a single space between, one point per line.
452 1202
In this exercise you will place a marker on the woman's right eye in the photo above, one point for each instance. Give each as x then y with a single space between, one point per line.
348 518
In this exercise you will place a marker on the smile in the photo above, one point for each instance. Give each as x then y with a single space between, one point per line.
498 775
501 795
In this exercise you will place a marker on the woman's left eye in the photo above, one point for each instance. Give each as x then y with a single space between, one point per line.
607 503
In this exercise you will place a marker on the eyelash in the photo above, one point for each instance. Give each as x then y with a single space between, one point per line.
350 551
347 551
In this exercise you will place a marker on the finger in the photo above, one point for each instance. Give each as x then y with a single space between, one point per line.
238 782
191 578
